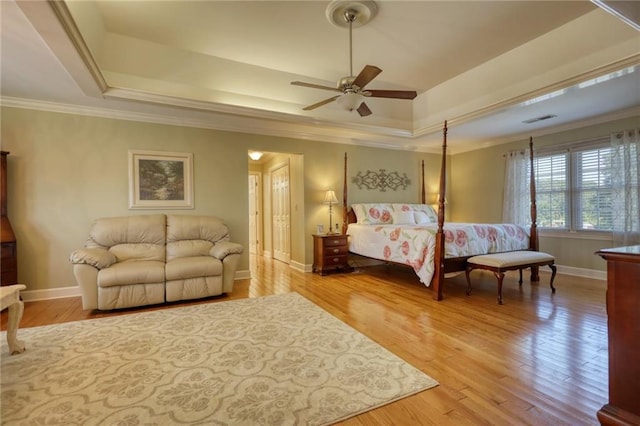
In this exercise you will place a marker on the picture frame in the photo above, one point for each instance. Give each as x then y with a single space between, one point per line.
160 180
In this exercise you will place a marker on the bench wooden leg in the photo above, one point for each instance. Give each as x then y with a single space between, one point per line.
520 280
534 273
553 276
500 277
467 272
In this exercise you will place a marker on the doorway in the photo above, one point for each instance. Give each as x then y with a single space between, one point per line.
276 208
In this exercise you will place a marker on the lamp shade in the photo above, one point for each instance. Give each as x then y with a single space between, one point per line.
255 155
330 198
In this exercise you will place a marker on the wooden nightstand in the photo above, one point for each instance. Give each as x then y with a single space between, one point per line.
330 253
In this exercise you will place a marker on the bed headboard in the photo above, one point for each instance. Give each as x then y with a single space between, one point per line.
349 216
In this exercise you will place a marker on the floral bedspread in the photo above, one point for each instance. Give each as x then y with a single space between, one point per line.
414 245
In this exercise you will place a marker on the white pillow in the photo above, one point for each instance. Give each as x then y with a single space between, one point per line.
403 218
421 218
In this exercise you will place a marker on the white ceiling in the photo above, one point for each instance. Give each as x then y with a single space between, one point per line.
228 64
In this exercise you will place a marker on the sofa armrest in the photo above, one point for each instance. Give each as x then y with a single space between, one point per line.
96 257
222 249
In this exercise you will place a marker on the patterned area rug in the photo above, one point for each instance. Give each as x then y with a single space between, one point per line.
275 360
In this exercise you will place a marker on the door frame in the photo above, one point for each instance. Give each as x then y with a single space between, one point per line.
258 214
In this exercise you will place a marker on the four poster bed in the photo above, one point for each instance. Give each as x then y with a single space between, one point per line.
417 236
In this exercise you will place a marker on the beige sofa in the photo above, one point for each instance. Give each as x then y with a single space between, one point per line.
148 259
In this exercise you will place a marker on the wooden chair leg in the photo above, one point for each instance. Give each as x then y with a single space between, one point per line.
500 277
520 280
553 276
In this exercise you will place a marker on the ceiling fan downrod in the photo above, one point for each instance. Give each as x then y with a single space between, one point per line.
350 16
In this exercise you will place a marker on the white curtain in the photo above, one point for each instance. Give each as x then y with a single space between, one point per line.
625 159
516 202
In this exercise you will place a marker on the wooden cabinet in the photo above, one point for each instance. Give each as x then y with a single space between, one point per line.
9 254
330 253
623 311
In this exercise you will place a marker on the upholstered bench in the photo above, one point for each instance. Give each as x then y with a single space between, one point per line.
499 263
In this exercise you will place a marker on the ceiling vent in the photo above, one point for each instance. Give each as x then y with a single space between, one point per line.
541 118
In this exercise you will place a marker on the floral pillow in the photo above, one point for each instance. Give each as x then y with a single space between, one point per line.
372 214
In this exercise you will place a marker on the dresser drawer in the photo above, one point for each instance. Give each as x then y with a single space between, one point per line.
335 260
333 241
335 250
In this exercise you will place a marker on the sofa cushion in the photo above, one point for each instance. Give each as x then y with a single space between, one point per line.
188 248
187 227
132 272
110 231
190 267
125 252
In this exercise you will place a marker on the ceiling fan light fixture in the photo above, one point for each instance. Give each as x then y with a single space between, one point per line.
350 101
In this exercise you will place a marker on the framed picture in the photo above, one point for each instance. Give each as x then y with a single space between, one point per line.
160 180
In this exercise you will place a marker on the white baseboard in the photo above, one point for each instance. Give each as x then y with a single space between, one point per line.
243 275
582 272
59 293
300 266
50 293
62 292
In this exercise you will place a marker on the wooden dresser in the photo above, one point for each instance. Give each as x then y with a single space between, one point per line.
623 311
9 257
330 253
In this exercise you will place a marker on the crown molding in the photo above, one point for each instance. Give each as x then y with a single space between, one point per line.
216 121
252 113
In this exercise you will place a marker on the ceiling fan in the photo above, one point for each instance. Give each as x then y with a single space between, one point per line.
352 89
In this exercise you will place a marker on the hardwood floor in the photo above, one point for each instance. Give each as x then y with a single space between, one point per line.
539 359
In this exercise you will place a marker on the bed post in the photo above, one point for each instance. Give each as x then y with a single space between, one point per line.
533 238
438 276
345 209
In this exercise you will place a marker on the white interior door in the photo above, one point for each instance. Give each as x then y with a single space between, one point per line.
281 213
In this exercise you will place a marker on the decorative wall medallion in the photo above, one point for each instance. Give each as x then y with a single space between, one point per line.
381 180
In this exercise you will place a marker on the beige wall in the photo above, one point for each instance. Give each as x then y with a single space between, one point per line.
477 185
66 170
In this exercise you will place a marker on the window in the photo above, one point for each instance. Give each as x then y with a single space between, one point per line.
574 187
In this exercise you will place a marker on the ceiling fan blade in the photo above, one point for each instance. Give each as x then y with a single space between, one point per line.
314 86
363 110
367 74
319 104
398 94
